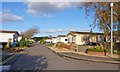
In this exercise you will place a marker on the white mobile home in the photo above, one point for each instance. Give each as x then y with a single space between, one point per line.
47 41
5 35
62 39
54 40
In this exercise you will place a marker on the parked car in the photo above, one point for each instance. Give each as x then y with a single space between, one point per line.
14 44
91 44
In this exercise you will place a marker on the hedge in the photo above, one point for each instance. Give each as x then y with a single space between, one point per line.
102 50
97 49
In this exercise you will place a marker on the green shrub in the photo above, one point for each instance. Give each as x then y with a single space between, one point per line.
62 43
22 42
94 49
49 44
98 49
116 52
42 41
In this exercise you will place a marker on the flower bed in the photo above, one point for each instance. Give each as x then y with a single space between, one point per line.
65 46
97 51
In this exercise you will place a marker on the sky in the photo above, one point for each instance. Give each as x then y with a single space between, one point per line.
52 18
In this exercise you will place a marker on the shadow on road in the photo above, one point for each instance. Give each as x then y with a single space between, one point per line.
29 62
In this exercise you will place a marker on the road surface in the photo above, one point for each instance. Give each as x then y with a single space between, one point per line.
40 57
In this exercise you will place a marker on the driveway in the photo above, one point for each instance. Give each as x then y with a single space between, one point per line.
40 57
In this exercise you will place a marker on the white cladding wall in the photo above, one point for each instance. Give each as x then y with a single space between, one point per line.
73 38
70 38
19 38
48 40
79 40
5 36
93 39
54 40
63 39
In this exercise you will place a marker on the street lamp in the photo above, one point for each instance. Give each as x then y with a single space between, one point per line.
111 50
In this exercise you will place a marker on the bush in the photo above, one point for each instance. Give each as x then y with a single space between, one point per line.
42 41
49 44
98 49
29 43
22 42
116 46
116 52
94 49
4 45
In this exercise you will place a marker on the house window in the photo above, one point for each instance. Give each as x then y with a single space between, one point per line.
68 39
65 39
15 38
73 39
85 38
96 39
105 39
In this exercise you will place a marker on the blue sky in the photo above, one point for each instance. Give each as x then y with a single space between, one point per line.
51 18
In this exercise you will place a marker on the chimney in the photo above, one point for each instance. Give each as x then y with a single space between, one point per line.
91 30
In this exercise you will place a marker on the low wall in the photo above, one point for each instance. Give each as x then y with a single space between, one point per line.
80 48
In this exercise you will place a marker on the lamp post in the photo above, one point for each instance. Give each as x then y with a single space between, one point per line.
111 49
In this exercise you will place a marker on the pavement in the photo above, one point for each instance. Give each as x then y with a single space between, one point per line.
6 59
5 55
83 56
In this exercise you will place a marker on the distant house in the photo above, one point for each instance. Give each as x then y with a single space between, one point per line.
5 35
54 40
80 38
62 39
47 41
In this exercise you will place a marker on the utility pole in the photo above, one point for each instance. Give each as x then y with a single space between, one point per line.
111 49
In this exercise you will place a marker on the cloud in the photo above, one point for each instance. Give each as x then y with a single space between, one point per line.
6 10
8 17
70 0
59 30
43 8
65 30
54 30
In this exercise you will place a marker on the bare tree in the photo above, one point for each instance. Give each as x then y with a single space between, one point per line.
30 32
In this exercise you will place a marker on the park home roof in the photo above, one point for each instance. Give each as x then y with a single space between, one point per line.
5 31
75 32
61 36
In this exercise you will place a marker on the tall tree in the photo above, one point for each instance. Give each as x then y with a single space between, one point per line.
102 13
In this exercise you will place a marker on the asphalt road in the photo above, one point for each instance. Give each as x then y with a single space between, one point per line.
40 57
